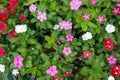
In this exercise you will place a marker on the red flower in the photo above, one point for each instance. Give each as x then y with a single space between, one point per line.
108 44
13 3
67 73
11 9
12 34
115 71
4 16
2 51
2 26
56 78
87 54
22 17
52 49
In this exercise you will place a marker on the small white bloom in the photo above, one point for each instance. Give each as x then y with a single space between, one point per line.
111 78
21 28
110 28
56 27
87 36
15 72
2 68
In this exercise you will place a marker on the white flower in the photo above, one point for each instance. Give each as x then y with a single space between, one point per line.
15 72
21 28
110 28
56 27
111 78
87 36
2 68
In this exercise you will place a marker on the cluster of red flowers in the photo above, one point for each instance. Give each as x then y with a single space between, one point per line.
116 10
108 44
115 71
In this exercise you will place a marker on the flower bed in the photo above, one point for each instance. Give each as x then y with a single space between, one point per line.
60 39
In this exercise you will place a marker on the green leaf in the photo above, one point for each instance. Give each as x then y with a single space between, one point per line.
84 71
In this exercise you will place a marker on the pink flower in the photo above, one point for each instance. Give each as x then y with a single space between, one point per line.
93 2
118 4
58 42
69 38
52 71
18 61
75 4
67 51
86 16
100 19
22 17
32 8
2 26
112 60
2 51
116 11
41 16
2 10
87 54
66 25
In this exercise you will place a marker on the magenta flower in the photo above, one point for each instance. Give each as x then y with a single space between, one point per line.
66 25
87 54
58 42
75 4
118 4
100 19
32 8
116 11
86 16
67 51
2 11
41 16
112 60
52 71
18 61
69 38
93 2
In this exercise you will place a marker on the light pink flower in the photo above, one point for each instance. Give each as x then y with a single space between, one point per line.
111 60
116 11
66 25
87 54
100 19
75 4
86 16
2 10
32 8
69 38
42 16
18 61
93 2
67 51
52 71
58 42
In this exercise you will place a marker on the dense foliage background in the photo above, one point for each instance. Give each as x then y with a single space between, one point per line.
40 41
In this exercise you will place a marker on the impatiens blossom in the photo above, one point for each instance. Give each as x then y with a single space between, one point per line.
100 19
86 16
87 54
67 51
41 16
18 61
2 51
21 28
56 78
52 71
2 10
115 71
110 28
58 42
3 26
118 4
69 38
12 9
13 3
22 17
4 16
112 60
32 8
56 27
75 4
15 72
93 2
116 11
66 25
87 36
108 44
2 68
111 78
12 34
